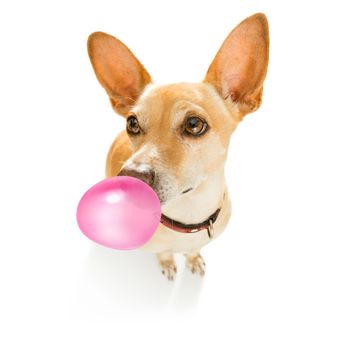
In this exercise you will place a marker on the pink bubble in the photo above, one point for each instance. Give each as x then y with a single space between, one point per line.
120 212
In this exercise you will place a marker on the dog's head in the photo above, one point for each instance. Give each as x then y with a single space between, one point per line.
180 133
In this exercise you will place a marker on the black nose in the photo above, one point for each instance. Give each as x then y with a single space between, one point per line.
146 174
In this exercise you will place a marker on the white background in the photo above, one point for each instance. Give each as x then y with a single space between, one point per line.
278 278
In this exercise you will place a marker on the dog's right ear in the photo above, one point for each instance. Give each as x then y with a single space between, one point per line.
118 70
239 68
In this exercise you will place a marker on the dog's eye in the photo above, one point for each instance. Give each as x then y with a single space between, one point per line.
195 126
132 125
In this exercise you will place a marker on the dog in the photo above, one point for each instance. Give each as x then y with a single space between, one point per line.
177 136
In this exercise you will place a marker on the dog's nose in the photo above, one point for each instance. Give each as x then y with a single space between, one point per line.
146 174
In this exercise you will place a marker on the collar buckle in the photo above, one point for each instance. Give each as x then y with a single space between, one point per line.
210 229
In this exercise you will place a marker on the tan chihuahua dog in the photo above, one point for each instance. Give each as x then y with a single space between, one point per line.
177 136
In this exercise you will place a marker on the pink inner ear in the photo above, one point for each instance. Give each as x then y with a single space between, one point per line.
231 86
240 66
117 69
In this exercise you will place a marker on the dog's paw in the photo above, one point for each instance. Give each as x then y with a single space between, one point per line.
168 265
168 269
195 263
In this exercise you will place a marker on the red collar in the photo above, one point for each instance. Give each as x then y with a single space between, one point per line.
191 228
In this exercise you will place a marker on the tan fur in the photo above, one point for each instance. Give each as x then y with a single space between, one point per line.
232 88
119 152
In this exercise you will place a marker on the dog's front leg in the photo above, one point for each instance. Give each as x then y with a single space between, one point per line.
168 265
195 263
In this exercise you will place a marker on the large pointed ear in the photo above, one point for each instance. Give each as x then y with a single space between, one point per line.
118 70
239 68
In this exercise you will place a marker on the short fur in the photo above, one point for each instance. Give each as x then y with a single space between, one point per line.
232 88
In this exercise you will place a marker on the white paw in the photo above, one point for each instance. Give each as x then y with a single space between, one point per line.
168 269
196 264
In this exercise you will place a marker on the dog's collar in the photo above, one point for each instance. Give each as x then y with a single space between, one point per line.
191 228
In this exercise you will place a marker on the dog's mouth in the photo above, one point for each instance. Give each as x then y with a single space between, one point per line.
176 225
164 201
186 191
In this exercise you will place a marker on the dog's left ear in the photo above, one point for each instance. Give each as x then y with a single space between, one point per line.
239 68
118 70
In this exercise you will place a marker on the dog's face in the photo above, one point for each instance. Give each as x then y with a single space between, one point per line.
180 133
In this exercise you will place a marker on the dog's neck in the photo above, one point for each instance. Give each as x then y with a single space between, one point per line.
199 204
